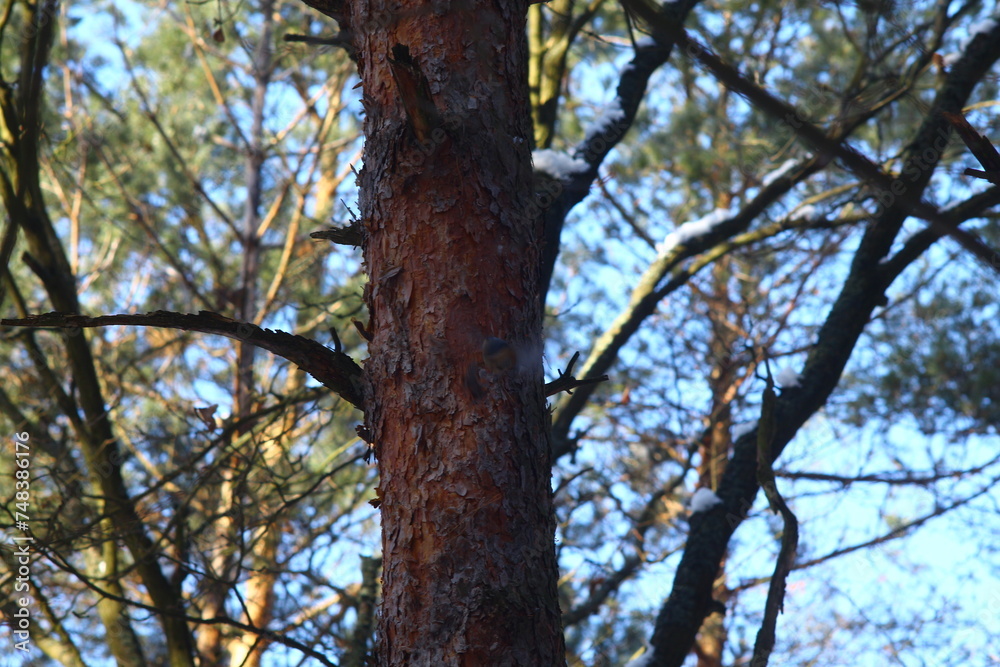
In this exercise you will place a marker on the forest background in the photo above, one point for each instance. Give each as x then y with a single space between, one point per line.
188 150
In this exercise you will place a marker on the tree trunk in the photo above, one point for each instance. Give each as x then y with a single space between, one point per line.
452 252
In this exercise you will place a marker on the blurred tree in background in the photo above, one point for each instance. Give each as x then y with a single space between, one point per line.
176 157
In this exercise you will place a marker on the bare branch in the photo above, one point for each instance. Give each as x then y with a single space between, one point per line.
349 235
566 382
902 195
335 370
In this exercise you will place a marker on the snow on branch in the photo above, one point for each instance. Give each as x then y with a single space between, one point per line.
775 174
787 378
557 164
694 229
610 117
703 500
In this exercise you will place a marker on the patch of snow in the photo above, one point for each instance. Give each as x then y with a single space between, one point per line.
693 229
807 212
976 28
704 499
742 429
982 26
607 118
787 378
557 164
775 174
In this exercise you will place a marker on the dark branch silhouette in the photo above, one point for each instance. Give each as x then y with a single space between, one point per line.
336 370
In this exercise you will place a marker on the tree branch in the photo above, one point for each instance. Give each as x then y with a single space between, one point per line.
892 191
648 292
271 635
566 381
349 235
596 146
764 644
685 609
335 370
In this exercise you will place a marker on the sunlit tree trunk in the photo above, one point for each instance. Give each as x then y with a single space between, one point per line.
451 245
724 381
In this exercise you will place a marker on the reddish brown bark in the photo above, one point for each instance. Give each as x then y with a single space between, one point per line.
451 244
